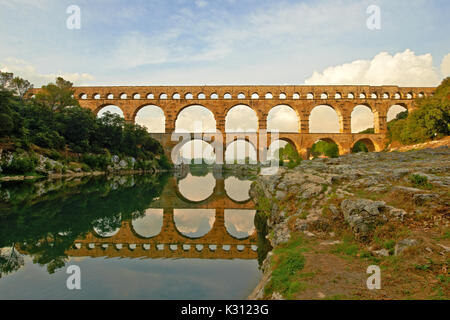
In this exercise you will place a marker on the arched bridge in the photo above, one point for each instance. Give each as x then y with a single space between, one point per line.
221 99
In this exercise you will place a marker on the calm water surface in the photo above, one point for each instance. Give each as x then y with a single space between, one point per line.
133 237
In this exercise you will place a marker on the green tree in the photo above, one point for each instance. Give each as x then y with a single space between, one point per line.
57 96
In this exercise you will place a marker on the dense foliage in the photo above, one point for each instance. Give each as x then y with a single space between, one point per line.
288 154
430 120
54 120
328 149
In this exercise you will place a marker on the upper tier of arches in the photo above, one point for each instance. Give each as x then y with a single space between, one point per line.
251 93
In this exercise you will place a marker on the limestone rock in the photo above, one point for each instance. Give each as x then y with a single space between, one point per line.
403 244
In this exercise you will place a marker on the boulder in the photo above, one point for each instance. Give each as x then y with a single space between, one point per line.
403 244
363 215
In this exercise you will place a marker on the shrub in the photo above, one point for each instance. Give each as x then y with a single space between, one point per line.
420 181
22 165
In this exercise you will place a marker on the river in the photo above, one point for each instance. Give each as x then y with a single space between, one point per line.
167 236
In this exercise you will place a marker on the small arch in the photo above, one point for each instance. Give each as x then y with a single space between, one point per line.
351 96
201 96
338 96
227 96
241 96
324 96
386 95
150 96
97 96
163 96
282 96
110 96
409 96
176 96
136 96
362 96
397 95
83 96
421 95
374 96
296 96
189 96
268 95
310 96
123 96
255 96
214 96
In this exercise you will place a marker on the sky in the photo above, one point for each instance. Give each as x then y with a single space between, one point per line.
227 42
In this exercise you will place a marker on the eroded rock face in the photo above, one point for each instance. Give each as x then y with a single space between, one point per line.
363 215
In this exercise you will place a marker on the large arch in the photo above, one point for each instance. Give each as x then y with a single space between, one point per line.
196 189
151 117
150 224
324 119
394 110
198 150
239 223
283 118
278 144
103 109
237 190
195 118
370 146
239 150
194 223
241 118
330 140
362 118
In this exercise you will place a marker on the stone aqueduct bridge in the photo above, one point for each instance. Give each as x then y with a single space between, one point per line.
221 99
218 243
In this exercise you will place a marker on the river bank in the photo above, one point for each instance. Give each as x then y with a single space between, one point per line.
330 219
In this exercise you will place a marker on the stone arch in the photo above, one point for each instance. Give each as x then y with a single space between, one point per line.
149 225
283 114
201 96
241 96
123 96
350 95
110 96
196 149
338 96
235 114
205 116
328 139
394 110
150 96
176 96
214 96
83 96
239 223
282 96
370 145
324 96
189 96
151 117
136 96
231 155
97 96
284 141
255 96
237 190
310 96
227 96
109 107
186 220
296 96
324 119
163 96
268 96
362 118
196 189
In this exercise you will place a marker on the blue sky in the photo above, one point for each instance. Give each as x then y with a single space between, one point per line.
226 42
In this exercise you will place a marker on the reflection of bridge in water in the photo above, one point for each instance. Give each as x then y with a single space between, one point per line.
218 243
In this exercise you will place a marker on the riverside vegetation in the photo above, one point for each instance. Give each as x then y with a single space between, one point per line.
329 219
51 134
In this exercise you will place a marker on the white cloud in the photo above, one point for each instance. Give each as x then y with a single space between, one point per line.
403 69
201 3
445 66
25 70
